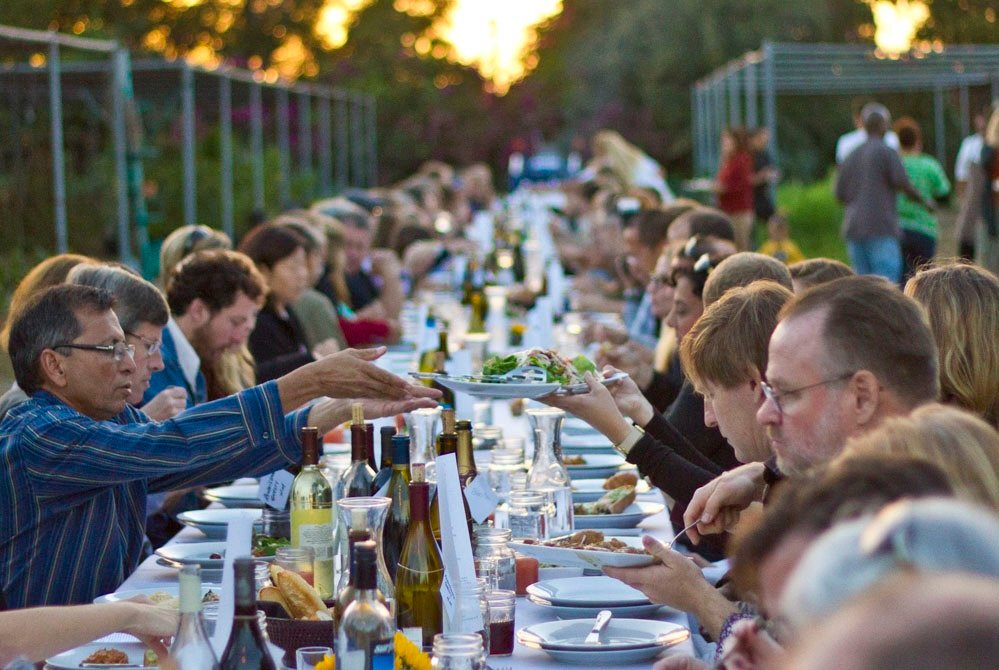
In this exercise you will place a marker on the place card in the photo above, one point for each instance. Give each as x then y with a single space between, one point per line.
275 488
482 500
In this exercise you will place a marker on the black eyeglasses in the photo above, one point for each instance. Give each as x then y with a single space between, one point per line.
118 350
196 235
775 396
152 346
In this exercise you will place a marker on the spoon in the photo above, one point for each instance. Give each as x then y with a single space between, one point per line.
602 619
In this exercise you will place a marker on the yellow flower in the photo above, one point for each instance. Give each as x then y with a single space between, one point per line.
407 655
328 663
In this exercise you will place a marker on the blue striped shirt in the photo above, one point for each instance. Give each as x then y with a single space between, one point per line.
73 490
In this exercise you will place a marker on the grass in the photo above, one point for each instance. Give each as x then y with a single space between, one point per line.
815 216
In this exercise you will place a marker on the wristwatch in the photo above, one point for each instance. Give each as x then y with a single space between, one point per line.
635 433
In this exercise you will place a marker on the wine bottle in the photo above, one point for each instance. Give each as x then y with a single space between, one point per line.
369 447
247 647
385 472
311 503
440 367
359 478
466 465
447 443
191 648
346 590
398 515
420 573
365 640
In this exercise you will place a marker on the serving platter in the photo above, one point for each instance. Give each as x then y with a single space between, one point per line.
585 558
497 387
597 591
236 495
214 523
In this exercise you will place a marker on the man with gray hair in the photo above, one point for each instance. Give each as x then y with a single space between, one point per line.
866 184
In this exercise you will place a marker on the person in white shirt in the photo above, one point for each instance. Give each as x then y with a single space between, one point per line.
853 139
970 182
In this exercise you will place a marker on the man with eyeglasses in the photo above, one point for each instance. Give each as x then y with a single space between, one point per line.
76 461
845 355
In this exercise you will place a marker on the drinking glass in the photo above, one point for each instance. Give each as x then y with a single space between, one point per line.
297 559
307 658
502 604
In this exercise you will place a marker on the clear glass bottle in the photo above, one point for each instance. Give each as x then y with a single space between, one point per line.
422 433
191 648
247 646
458 651
311 502
548 473
367 515
494 559
365 635
529 515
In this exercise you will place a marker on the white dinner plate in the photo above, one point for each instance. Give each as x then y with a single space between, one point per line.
646 611
632 515
585 558
70 660
620 635
236 495
588 490
587 443
598 465
157 594
598 591
215 522
198 553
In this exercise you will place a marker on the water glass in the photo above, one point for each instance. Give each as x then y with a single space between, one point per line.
297 559
307 658
502 604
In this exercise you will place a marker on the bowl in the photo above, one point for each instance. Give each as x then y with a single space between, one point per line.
293 634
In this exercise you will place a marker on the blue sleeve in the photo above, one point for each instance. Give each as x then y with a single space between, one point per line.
242 434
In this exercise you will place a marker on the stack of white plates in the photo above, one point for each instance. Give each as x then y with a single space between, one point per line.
215 522
584 597
589 490
622 641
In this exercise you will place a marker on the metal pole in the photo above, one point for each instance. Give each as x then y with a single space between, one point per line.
965 110
770 98
342 141
752 118
305 136
734 113
357 140
58 163
372 143
938 123
695 126
719 88
284 147
187 150
120 140
225 155
257 144
325 146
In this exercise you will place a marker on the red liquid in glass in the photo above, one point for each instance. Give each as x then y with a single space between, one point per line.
500 638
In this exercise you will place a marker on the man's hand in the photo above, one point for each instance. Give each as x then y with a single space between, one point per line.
596 408
629 399
676 582
167 404
749 647
717 504
330 413
152 624
350 374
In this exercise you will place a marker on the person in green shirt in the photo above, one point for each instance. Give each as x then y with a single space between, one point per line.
919 225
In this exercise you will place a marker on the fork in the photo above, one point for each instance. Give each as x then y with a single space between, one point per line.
677 536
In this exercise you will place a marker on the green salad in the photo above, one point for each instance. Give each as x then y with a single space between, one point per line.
558 368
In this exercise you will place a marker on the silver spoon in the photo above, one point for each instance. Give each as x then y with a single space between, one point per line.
602 619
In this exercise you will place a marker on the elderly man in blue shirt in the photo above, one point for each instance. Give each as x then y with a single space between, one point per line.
76 461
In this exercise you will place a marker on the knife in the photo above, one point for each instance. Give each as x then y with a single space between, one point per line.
602 619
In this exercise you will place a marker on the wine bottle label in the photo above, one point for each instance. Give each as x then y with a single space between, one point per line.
319 537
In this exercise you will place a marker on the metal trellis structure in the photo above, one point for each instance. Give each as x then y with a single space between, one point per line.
745 91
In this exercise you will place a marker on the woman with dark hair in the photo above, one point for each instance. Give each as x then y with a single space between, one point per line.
278 341
919 226
735 184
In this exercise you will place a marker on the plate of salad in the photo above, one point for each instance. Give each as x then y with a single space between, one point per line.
531 373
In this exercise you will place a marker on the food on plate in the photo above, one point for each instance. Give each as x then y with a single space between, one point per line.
573 460
621 479
268 546
272 594
162 598
300 600
612 502
106 656
149 659
558 368
210 597
590 540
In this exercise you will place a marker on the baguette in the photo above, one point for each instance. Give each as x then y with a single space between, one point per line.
272 594
620 479
303 600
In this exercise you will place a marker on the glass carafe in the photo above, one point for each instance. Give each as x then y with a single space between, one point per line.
548 473
422 431
367 514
